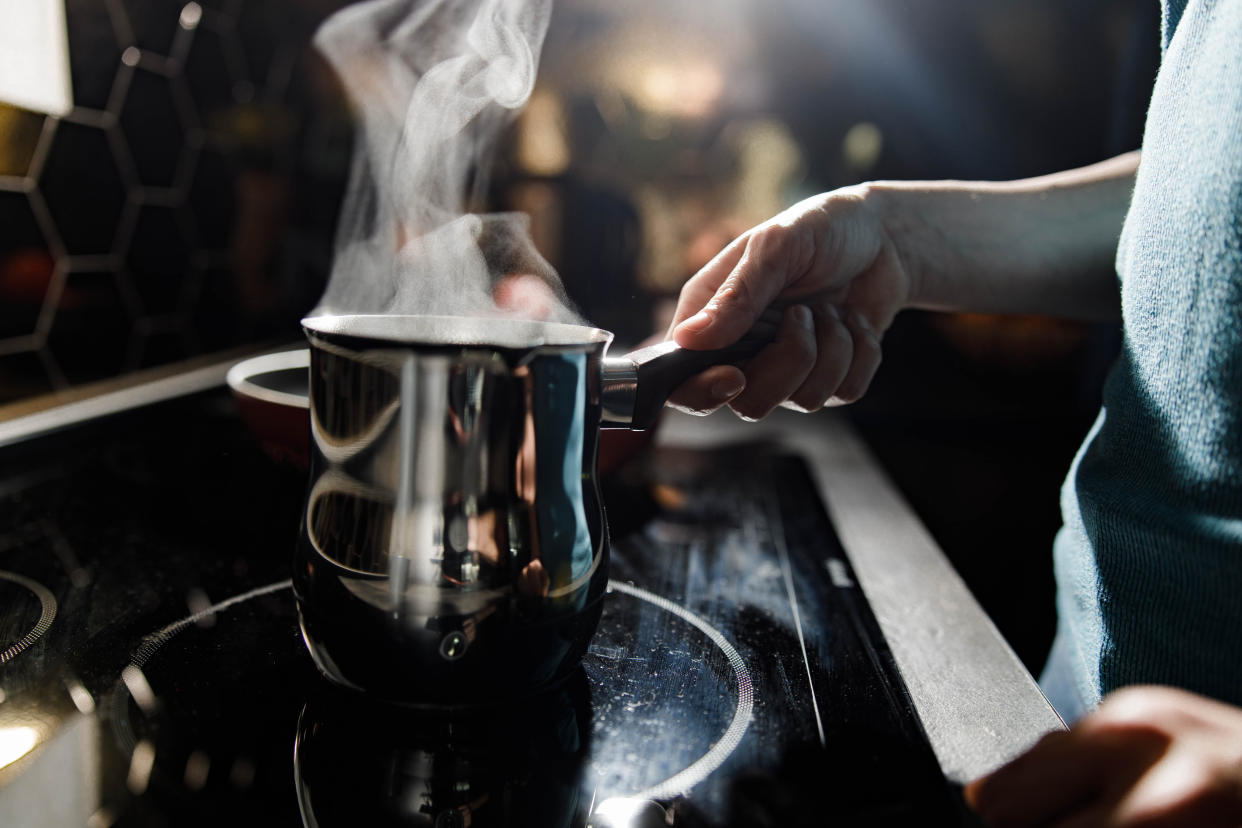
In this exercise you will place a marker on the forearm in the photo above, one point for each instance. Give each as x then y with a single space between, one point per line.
1041 245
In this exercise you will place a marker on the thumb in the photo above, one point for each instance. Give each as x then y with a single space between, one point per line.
720 322
756 278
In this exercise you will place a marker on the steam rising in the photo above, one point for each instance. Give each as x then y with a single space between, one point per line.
434 82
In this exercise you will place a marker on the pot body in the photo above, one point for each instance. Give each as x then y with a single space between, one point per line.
453 550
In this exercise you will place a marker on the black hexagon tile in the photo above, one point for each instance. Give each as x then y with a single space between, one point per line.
152 125
257 27
26 267
218 315
94 51
210 76
213 199
230 7
158 256
154 23
83 188
118 223
91 328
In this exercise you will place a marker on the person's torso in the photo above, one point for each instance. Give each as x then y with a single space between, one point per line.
1150 559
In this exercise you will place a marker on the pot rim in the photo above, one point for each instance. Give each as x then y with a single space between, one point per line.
455 331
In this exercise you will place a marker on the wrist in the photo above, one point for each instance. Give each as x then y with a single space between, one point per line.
914 241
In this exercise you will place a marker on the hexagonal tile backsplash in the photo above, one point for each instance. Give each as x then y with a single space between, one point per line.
167 214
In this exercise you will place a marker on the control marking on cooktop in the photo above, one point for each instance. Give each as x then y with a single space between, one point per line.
47 614
778 538
702 767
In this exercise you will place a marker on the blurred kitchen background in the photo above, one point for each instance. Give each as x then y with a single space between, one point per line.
183 204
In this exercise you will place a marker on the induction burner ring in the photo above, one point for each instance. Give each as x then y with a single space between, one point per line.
676 784
152 642
47 614
132 681
702 767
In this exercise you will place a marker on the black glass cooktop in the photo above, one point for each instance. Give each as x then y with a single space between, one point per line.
151 670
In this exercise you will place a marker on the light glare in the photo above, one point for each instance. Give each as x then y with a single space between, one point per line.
16 742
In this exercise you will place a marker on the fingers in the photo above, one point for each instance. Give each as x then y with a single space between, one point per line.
709 390
701 287
1049 780
848 357
742 280
866 359
780 368
1147 758
1072 777
1092 817
816 358
829 260
835 354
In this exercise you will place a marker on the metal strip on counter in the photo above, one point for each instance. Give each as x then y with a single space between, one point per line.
113 402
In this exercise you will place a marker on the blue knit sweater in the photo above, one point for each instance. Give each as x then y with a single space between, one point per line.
1149 561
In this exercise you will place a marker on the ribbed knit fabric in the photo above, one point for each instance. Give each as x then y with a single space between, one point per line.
1149 560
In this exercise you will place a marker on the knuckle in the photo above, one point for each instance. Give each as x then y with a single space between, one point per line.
771 240
735 292
801 347
873 355
1132 705
784 243
834 342
865 338
841 337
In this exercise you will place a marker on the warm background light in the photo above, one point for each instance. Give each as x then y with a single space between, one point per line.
542 142
862 146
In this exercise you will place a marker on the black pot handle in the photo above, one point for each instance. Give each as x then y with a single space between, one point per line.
637 385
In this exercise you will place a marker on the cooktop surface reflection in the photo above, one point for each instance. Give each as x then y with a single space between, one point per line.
152 670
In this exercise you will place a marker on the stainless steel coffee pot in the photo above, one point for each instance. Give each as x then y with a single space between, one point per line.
453 548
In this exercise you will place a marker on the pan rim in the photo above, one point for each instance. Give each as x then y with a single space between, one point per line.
240 377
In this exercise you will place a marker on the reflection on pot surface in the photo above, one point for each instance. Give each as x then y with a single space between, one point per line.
452 549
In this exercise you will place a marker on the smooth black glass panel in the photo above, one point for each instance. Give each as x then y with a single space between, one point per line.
737 678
